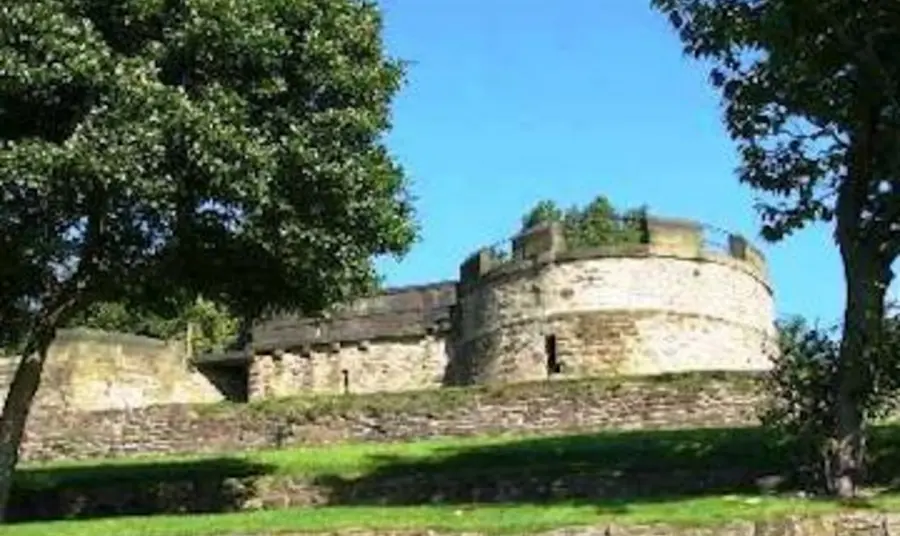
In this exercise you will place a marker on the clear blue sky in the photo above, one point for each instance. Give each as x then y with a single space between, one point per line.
512 101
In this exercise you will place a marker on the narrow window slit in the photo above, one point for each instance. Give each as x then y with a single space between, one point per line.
550 350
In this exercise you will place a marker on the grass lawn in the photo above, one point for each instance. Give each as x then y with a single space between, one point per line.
617 454
610 452
516 519
613 451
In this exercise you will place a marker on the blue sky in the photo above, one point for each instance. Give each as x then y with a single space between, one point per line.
512 101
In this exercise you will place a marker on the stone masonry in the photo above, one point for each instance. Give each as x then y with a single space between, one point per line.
703 400
90 370
668 305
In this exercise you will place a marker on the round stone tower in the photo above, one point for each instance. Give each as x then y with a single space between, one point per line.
671 304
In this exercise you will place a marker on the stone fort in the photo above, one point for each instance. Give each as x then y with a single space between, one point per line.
672 303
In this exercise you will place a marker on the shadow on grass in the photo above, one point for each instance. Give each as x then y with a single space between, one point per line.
611 471
646 465
618 468
201 486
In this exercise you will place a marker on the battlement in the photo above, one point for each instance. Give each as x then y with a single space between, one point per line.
664 237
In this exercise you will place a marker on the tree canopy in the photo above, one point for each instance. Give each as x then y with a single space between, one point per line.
154 151
597 223
210 326
811 94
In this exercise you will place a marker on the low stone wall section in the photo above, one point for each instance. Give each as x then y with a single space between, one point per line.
91 370
387 364
664 402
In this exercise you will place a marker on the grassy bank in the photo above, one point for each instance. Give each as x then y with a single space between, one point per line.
507 519
750 449
448 399
358 497
610 451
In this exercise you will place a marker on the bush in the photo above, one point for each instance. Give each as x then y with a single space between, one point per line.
802 402
801 398
596 224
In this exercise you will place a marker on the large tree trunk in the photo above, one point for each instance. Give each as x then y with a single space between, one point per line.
867 278
21 393
22 390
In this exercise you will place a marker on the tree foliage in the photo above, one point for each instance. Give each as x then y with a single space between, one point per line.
153 151
811 91
210 326
802 405
597 223
811 94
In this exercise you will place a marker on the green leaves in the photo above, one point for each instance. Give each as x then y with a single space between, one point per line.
214 329
596 224
804 83
802 405
811 90
154 150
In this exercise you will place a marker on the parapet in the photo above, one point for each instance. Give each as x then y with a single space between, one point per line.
674 237
398 312
663 237
541 242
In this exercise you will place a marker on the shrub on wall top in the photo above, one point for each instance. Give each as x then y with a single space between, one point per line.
596 224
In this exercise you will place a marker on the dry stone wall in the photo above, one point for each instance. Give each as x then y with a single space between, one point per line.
691 401
859 523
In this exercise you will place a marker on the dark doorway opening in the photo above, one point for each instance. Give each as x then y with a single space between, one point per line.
230 379
550 351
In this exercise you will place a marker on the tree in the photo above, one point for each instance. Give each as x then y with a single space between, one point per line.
801 403
211 326
544 211
596 224
153 151
208 327
811 91
124 318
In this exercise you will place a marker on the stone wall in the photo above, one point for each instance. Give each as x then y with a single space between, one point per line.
851 523
666 306
396 341
412 311
689 401
669 305
386 364
90 370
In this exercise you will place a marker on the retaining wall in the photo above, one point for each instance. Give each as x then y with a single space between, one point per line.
681 401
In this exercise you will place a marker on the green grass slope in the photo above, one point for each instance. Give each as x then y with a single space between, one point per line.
374 486
487 520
